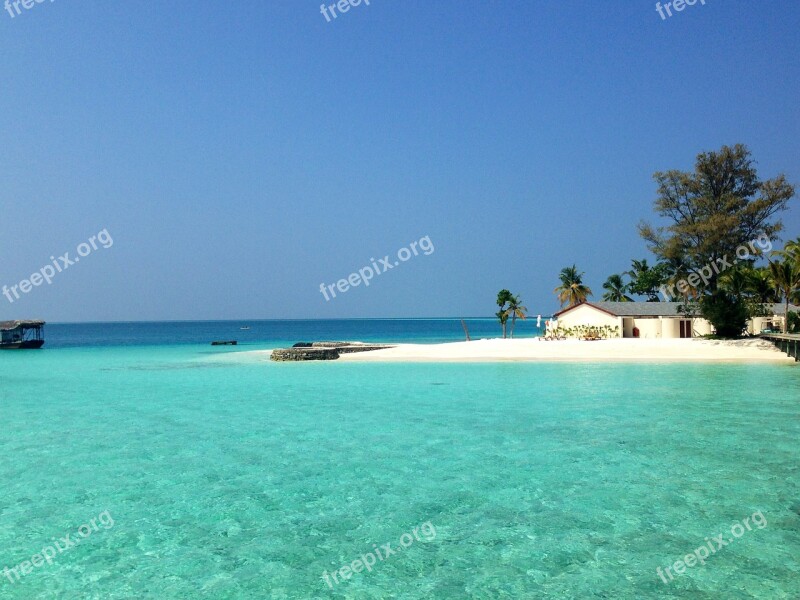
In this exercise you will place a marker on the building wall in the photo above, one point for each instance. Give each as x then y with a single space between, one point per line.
664 327
627 327
671 328
758 323
588 315
702 327
649 327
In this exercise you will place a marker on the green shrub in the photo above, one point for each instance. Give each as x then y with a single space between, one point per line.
794 322
727 313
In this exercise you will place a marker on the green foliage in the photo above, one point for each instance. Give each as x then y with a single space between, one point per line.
714 210
514 310
786 275
726 312
794 322
572 289
646 280
585 332
760 286
615 289
503 298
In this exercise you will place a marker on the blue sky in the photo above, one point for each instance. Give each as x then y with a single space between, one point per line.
240 154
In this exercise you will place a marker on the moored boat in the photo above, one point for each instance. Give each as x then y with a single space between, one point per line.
21 335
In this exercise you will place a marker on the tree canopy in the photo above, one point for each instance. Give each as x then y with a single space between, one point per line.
719 207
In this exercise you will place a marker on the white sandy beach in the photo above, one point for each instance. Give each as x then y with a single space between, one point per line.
628 350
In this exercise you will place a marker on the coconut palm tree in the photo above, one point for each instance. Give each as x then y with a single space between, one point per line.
761 286
515 309
647 280
615 289
677 270
572 289
503 298
735 281
791 248
791 252
786 275
638 267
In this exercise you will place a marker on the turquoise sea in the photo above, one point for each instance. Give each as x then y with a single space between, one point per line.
222 475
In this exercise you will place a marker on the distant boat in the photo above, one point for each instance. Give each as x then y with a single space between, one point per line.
225 343
21 335
245 328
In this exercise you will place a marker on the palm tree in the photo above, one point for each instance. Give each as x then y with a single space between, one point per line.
515 309
572 290
638 267
647 280
503 297
786 275
678 271
615 289
735 281
761 286
502 317
791 251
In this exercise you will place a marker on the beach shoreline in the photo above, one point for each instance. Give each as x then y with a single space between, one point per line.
752 350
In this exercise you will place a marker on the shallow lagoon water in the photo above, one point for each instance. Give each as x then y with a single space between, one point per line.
231 477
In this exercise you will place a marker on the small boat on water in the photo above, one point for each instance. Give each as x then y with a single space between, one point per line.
21 335
225 343
245 328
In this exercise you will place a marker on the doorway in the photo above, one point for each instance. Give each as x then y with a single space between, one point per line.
686 329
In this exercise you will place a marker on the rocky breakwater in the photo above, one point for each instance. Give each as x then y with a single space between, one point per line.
304 351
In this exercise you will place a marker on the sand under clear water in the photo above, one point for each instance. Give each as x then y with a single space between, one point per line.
231 477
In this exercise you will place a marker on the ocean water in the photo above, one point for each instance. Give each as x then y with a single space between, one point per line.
213 473
281 333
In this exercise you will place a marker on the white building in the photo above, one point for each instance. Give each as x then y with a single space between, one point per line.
654 319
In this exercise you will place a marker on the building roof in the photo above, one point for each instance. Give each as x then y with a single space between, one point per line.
632 309
9 325
653 309
779 308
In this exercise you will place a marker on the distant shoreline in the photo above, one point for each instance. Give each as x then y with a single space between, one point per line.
753 350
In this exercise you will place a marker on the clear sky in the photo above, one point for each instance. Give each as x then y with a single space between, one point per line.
242 153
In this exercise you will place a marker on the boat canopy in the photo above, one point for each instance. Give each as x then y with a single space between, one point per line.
11 325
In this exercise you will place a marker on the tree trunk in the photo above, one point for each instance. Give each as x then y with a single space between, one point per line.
786 315
513 322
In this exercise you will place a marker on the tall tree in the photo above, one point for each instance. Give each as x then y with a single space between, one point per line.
647 280
791 251
761 286
515 309
713 212
786 275
615 289
503 298
677 270
572 289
